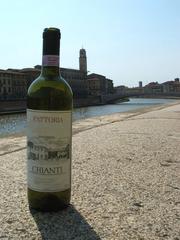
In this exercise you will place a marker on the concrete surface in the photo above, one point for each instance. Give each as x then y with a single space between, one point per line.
125 181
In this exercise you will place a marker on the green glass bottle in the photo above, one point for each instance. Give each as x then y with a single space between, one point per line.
49 132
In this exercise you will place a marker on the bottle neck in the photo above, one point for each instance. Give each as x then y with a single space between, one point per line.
50 72
50 58
50 65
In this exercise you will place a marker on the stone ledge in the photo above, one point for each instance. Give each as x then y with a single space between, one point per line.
125 183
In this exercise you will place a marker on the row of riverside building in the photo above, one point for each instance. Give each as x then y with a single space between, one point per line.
15 82
169 88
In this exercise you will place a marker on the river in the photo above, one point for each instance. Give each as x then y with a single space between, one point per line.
16 123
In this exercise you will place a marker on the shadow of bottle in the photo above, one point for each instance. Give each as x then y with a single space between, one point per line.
68 224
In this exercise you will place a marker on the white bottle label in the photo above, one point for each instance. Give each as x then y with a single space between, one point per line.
49 135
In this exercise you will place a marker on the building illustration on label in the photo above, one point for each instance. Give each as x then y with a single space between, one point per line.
56 150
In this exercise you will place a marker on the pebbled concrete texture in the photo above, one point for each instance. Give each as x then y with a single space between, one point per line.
125 181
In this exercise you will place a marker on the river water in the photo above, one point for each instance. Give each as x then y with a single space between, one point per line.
16 123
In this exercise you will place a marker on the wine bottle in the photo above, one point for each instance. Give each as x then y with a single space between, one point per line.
49 132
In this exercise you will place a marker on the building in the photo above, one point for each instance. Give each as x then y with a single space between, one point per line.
153 88
82 60
77 80
140 84
99 85
96 84
171 86
168 87
5 85
13 84
121 89
110 86
31 74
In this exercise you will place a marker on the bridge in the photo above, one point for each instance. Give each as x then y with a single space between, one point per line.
110 98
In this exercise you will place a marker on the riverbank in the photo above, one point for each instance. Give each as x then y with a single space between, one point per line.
125 181
92 116
158 97
19 106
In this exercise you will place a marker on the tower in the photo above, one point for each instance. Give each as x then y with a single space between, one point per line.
82 60
140 84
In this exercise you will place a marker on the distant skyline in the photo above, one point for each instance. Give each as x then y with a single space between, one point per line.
126 40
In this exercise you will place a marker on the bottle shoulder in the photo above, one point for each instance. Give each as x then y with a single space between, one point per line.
52 83
49 94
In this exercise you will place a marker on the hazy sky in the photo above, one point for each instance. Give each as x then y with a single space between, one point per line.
125 40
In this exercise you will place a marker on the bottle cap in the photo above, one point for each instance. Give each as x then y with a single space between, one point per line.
52 32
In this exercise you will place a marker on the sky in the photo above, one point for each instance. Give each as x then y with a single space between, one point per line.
125 40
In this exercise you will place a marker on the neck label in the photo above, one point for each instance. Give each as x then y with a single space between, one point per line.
50 60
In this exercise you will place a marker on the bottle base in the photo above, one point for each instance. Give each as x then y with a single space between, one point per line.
48 202
48 209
